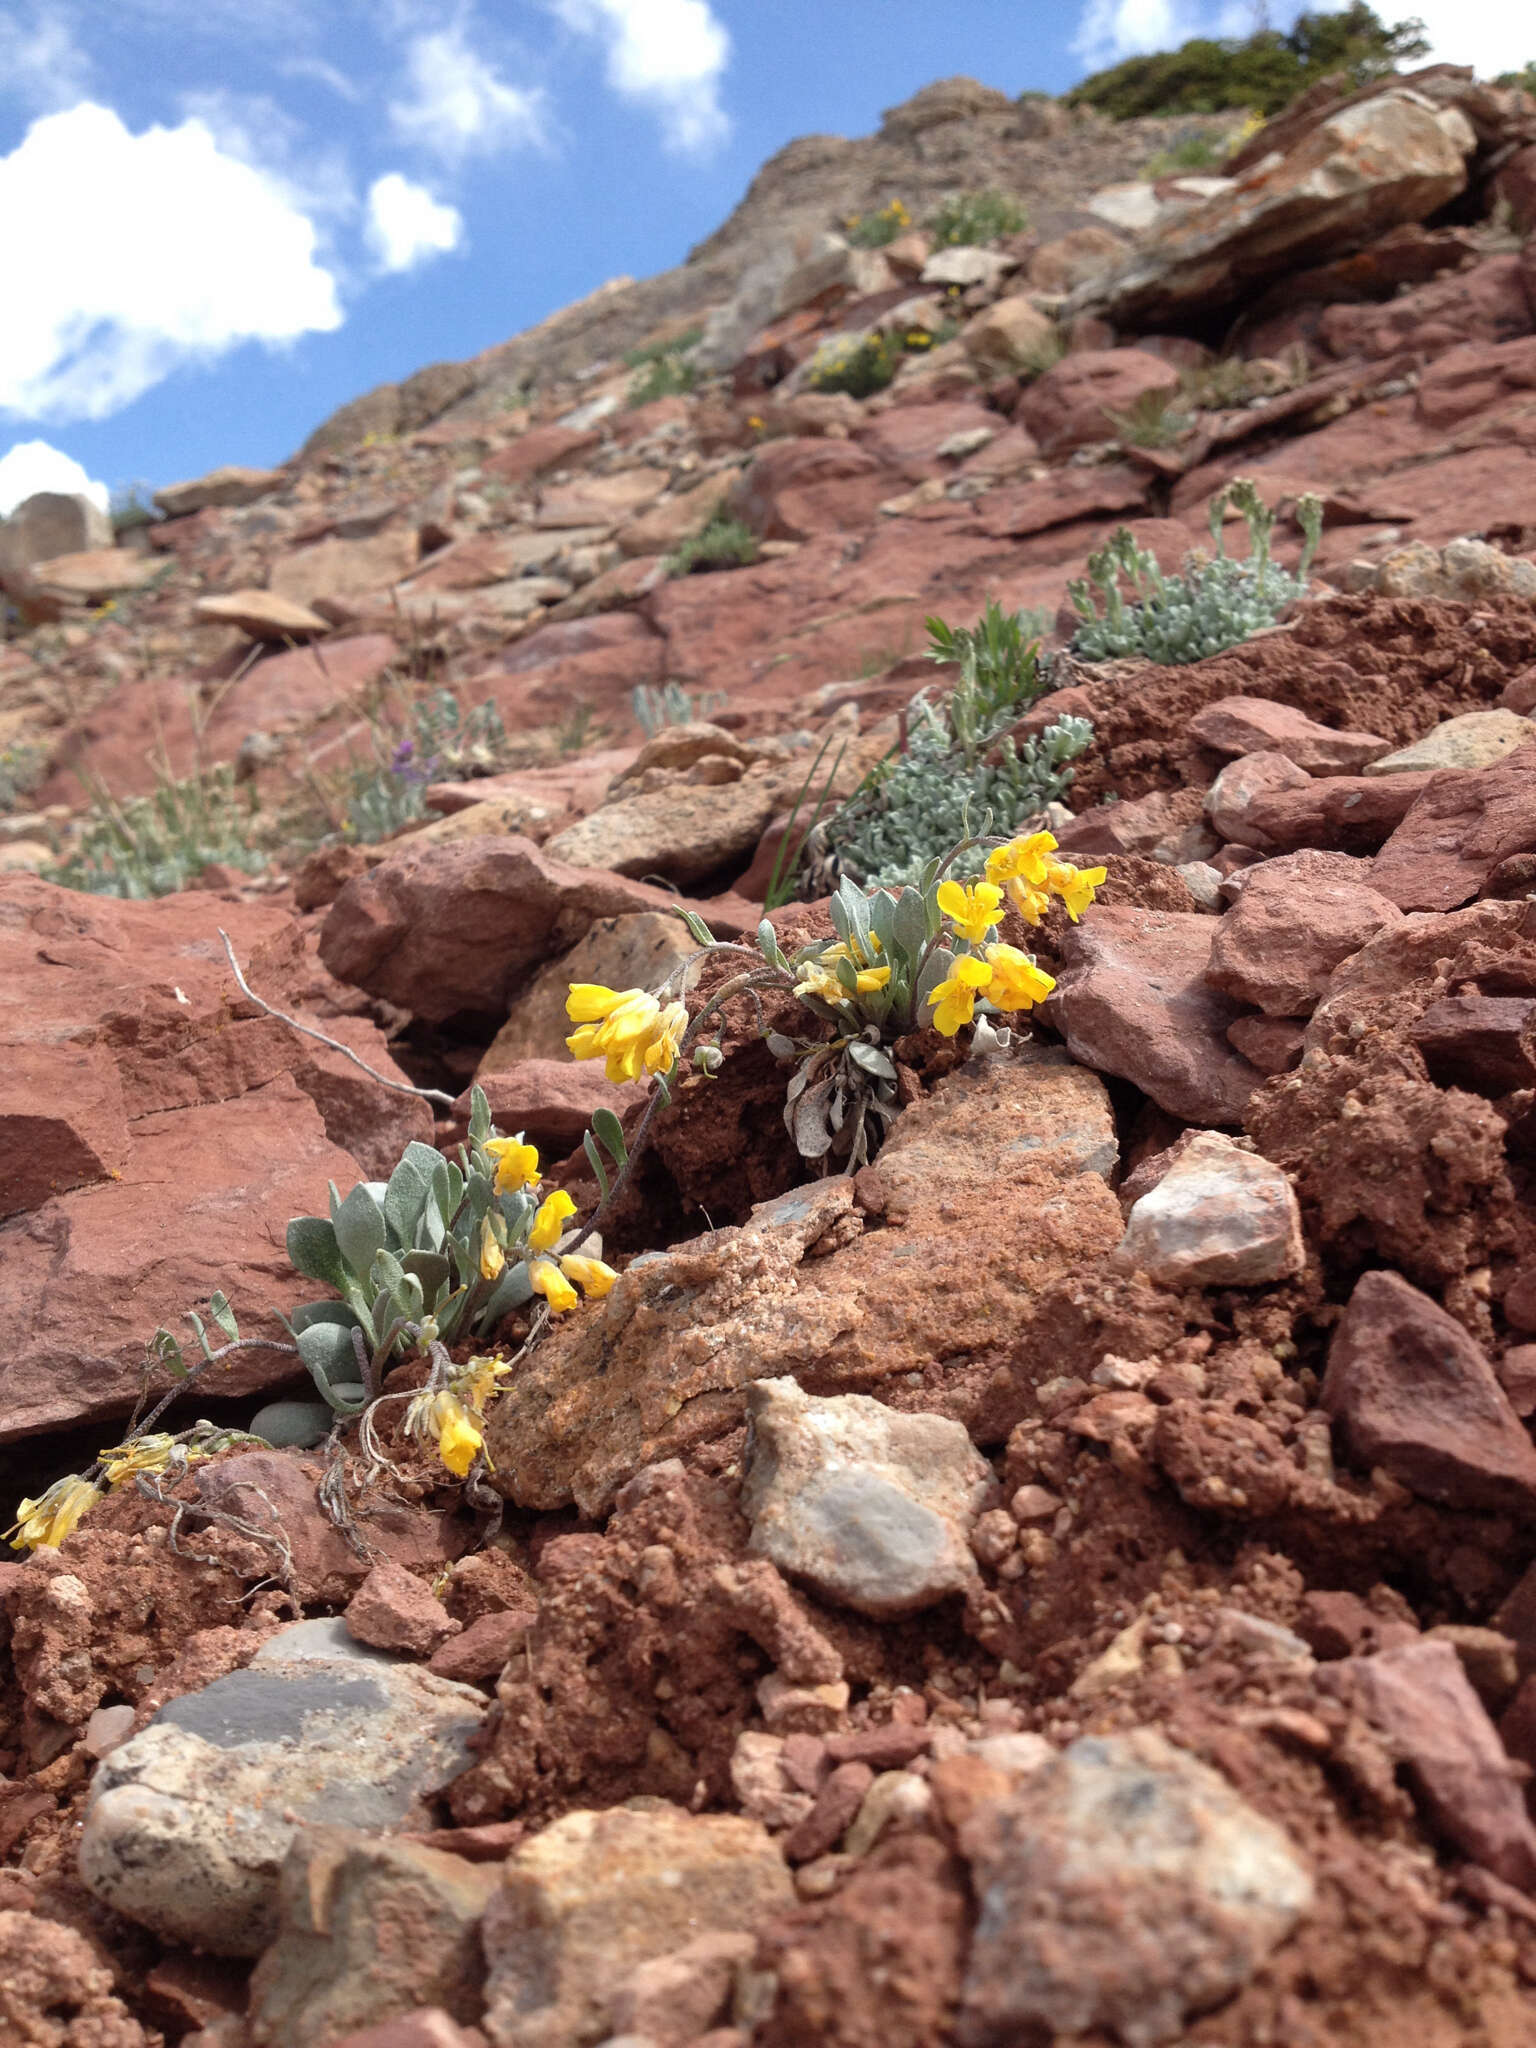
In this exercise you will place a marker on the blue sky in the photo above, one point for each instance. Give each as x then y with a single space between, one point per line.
224 218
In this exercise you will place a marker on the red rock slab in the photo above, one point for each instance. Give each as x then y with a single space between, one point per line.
1296 919
1337 813
1131 999
1251 725
1413 1394
798 488
552 1101
1421 1699
1484 304
62 1121
1073 402
455 926
1462 824
202 1203
540 449
1485 1043
1059 499
1475 378
908 438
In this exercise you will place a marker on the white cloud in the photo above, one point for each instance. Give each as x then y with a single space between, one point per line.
1112 29
406 224
36 466
668 54
139 253
1492 38
457 106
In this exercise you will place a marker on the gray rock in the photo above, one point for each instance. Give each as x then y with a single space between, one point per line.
189 1821
967 266
1475 740
1124 1886
1219 1217
685 832
49 524
370 1928
870 1507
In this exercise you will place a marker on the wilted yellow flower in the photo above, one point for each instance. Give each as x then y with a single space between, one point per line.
42 1524
549 1281
476 1382
973 912
517 1164
591 1275
661 1054
454 1424
1075 886
1017 983
954 1000
549 1224
492 1258
144 1454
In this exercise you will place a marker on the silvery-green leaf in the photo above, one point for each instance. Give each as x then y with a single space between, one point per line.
910 922
882 913
698 930
609 1133
361 1230
223 1315
838 913
781 1047
510 1292
431 1269
347 1397
386 1272
326 1349
164 1351
768 945
480 1121
589 1145
313 1250
408 1189
872 1059
847 975
940 962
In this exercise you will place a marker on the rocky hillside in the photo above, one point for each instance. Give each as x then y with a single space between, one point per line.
1069 1576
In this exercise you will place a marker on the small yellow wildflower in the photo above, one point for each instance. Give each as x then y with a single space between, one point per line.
549 1281
621 1026
492 1258
478 1381
549 1224
42 1524
517 1164
1075 886
954 1000
1022 860
590 1275
1017 983
973 912
460 1438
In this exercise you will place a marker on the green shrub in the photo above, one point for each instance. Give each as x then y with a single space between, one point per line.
154 845
1189 153
655 709
131 507
959 766
722 544
976 218
668 376
1525 80
654 351
859 365
1214 604
23 765
1210 75
877 230
438 742
1153 421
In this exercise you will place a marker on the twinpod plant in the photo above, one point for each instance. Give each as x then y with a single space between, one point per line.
898 960
441 1250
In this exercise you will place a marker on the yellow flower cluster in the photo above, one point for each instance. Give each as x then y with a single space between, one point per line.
1030 875
42 1524
627 1028
1008 979
455 1414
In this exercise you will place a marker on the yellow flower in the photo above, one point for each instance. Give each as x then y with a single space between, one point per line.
973 912
459 1437
1017 983
661 1053
549 1281
816 979
492 1258
1075 886
954 999
549 1224
517 1164
622 1026
1022 860
591 1275
42 1524
476 1382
